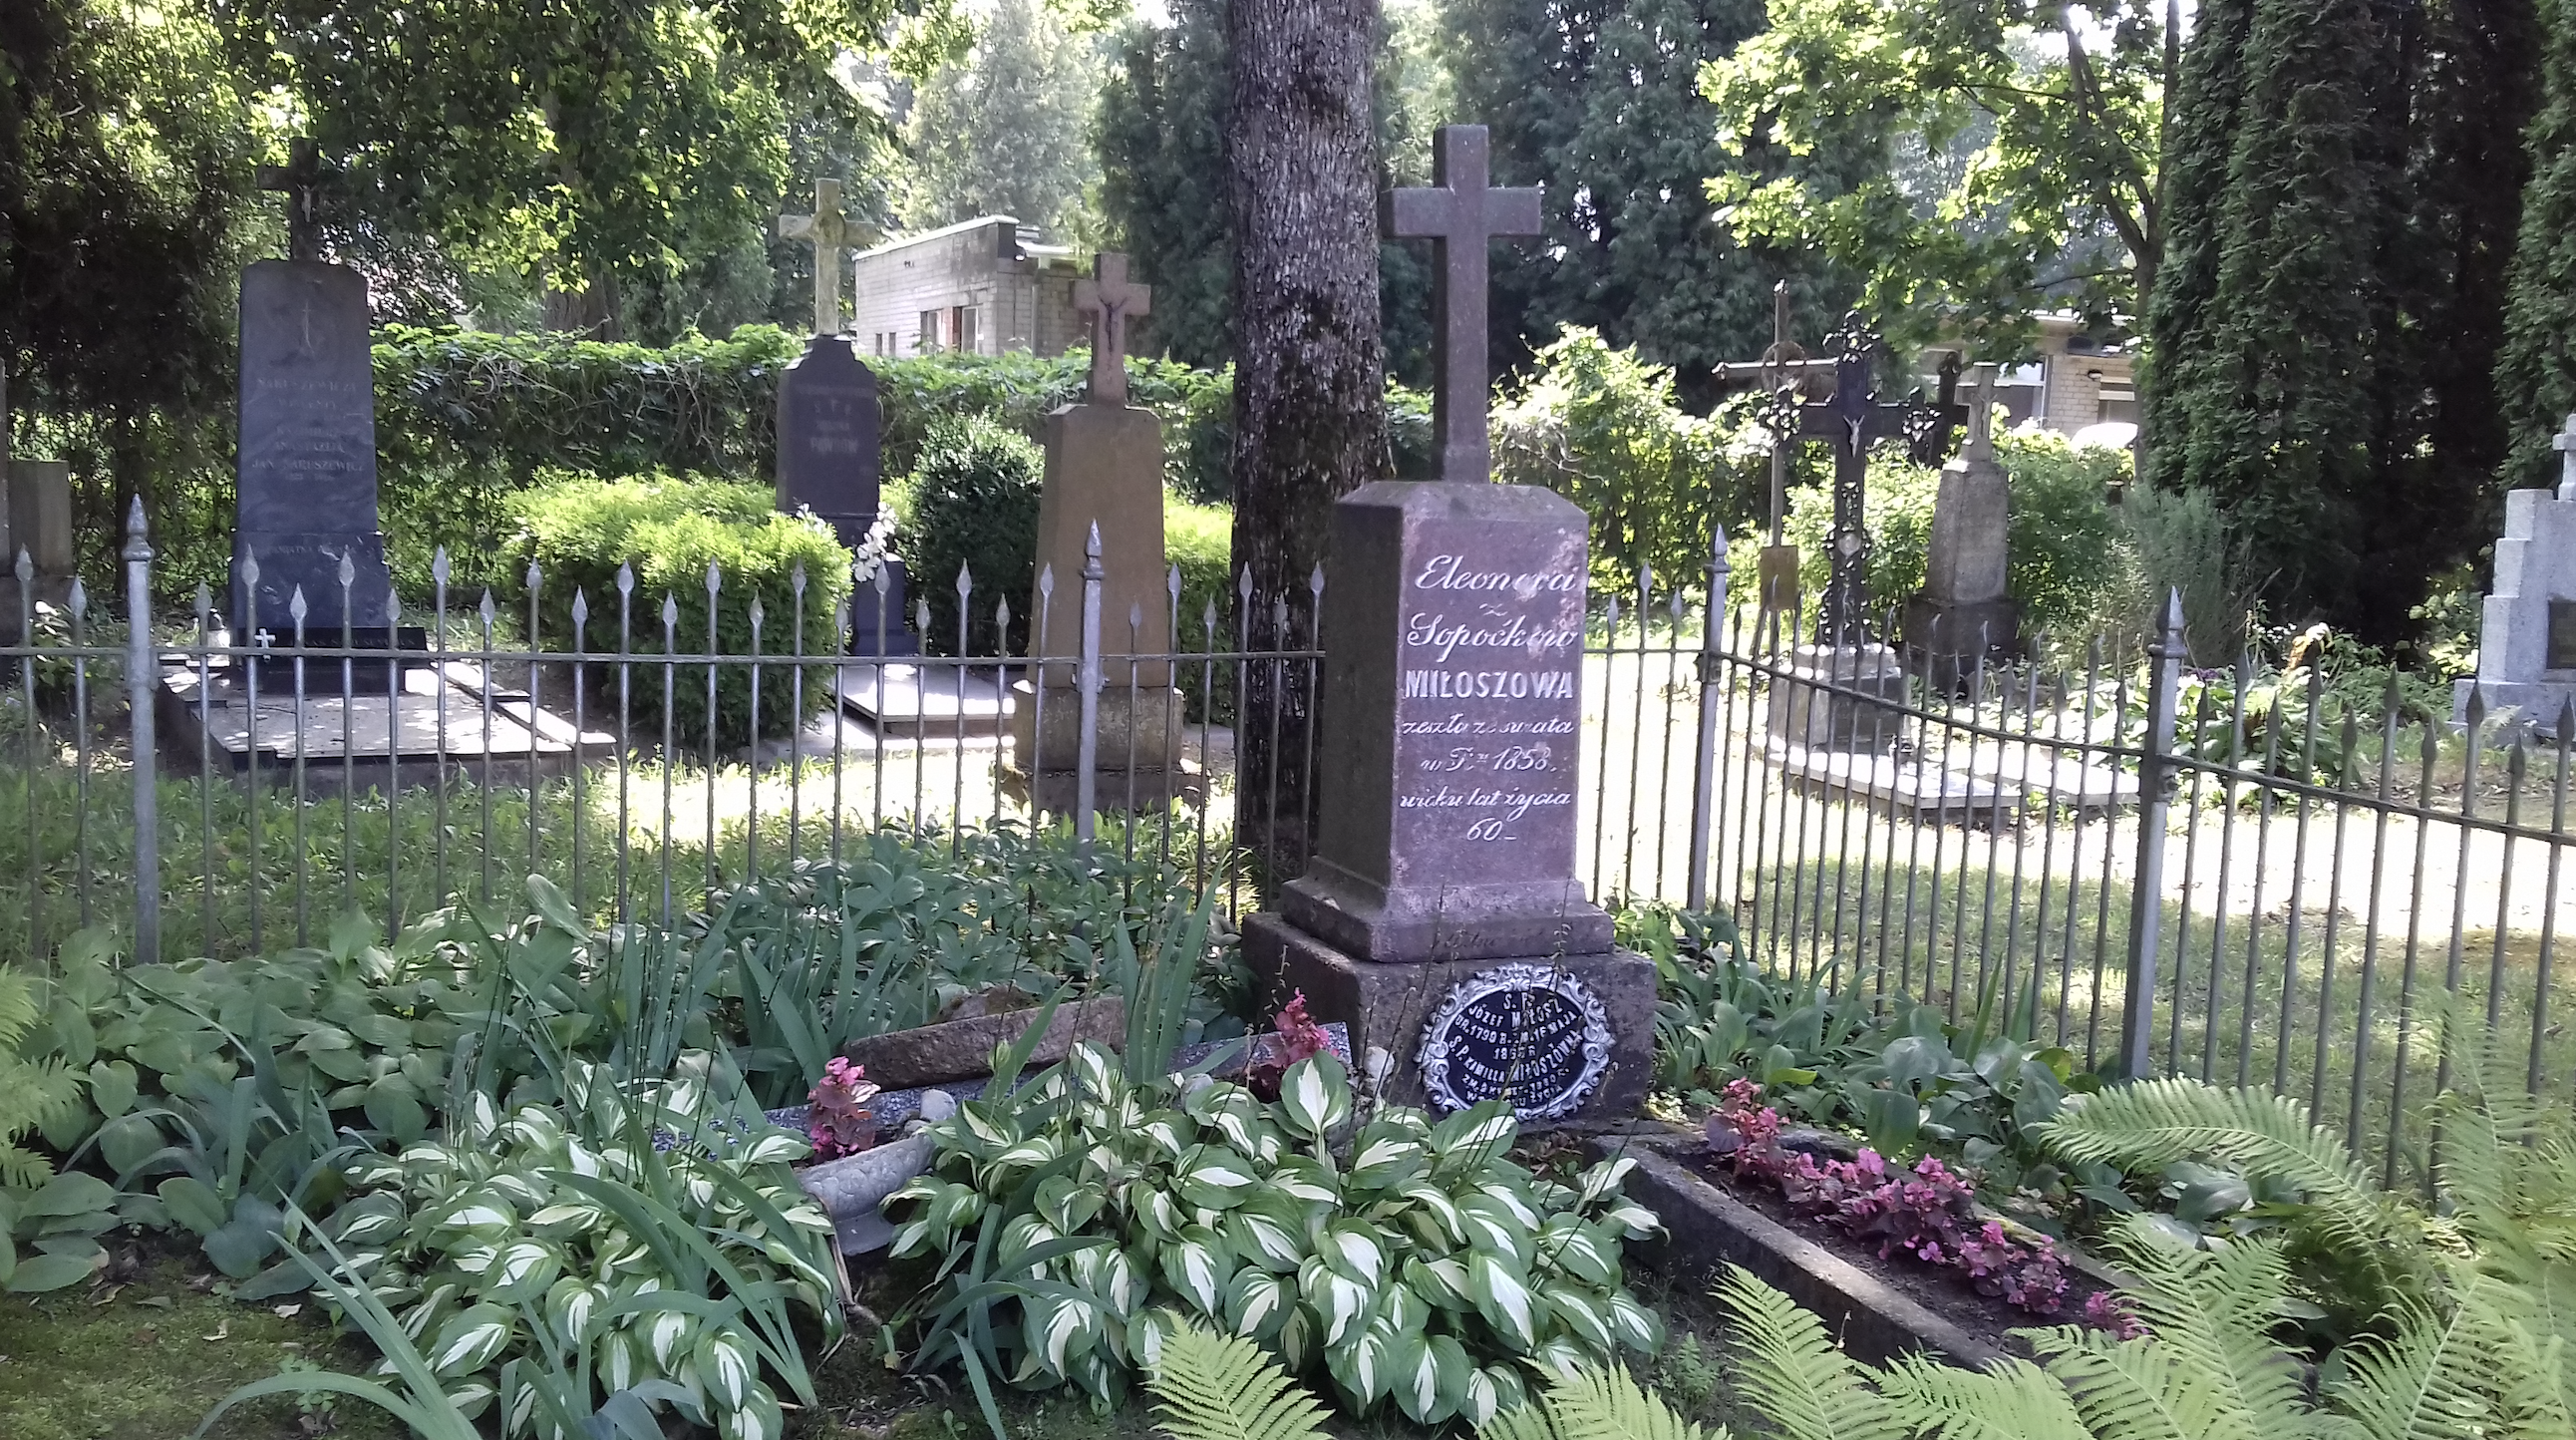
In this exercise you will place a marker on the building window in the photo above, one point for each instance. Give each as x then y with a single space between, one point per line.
962 327
929 339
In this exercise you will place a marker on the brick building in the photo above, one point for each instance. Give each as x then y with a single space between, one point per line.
980 287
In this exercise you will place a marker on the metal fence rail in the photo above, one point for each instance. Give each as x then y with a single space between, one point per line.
633 765
2222 874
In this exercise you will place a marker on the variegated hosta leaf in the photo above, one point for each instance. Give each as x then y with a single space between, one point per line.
1213 1177
1638 1328
1634 1220
1581 1314
1155 1210
1095 1071
472 1257
1493 1228
1467 1139
571 1308
1502 1295
1170 1132
616 1360
1020 1235
471 1398
1315 1095
1198 1265
368 1220
524 1266
1362 1365
1067 1203
1146 1333
1441 1281
481 1213
1257 1303
570 1217
1400 1310
1019 1158
1561 1356
1511 1199
1413 1378
778 1147
469 1340
1058 1327
1307 1180
758 1418
668 1336
517 1188
1583 1251
1385 1156
1122 1285
1340 1303
1267 1230
1492 1390
983 1129
727 1366
1295 1341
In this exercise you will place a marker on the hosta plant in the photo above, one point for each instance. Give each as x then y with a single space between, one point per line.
1084 1221
621 1242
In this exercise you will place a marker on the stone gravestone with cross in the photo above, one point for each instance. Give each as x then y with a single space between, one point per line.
1962 612
1824 701
1440 915
2527 638
1103 496
306 478
830 438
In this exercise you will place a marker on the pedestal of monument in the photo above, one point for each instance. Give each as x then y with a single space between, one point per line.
1102 504
2527 642
1440 917
1838 697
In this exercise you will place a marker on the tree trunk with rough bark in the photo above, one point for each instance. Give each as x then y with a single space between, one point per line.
1309 380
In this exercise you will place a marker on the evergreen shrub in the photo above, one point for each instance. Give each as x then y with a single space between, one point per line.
577 530
975 506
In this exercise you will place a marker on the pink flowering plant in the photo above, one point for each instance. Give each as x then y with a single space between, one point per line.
1926 1212
1296 1037
838 1121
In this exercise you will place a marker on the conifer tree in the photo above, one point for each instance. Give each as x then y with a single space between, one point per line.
2536 375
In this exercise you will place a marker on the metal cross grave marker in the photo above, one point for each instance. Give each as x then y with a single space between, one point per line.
300 179
1460 214
829 232
1109 298
1852 419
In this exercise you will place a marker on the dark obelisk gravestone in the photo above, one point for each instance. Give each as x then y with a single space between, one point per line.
1440 916
830 437
306 477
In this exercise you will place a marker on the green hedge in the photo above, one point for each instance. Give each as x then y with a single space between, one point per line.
974 505
579 530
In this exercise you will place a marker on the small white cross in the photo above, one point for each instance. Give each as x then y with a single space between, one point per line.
263 638
2565 444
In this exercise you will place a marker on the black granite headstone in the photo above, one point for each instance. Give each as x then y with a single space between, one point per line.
2562 636
830 462
307 468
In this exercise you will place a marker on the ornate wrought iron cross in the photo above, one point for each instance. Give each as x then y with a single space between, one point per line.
1851 419
1461 215
1109 298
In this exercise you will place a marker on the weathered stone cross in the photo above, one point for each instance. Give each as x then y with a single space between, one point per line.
1109 298
828 232
301 178
1460 214
1853 418
2564 442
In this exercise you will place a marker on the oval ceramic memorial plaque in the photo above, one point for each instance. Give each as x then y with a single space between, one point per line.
1529 1033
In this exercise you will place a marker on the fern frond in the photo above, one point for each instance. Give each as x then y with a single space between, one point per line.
2429 1382
1596 1403
2153 1123
2009 1400
2135 1389
1521 1422
18 1009
22 1169
2529 1320
1794 1374
1224 1387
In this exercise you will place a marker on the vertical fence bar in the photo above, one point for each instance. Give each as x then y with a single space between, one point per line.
1087 680
2146 901
138 688
1704 758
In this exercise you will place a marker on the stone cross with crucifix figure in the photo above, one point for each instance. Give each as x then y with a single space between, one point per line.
1461 215
1440 916
1962 615
1110 299
301 179
829 232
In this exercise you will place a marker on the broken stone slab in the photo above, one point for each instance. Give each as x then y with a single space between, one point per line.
960 1049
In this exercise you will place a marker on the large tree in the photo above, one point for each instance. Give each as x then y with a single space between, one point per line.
2343 186
1002 132
1309 382
602 146
1599 102
2056 206
1160 133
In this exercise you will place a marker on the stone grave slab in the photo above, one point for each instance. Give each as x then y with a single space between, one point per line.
439 718
1902 784
928 699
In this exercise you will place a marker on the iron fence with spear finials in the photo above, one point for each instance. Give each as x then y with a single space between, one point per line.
2255 877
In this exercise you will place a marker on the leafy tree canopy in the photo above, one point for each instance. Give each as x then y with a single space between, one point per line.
1003 132
2057 210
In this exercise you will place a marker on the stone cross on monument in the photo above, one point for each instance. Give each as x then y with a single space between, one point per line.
1852 419
301 179
1460 214
829 232
1110 299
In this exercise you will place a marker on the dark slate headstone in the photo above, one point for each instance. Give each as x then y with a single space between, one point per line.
1531 1033
2562 636
1453 659
307 469
831 462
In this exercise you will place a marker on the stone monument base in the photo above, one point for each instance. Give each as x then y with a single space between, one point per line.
1389 1005
1836 697
2537 703
1138 751
1942 637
